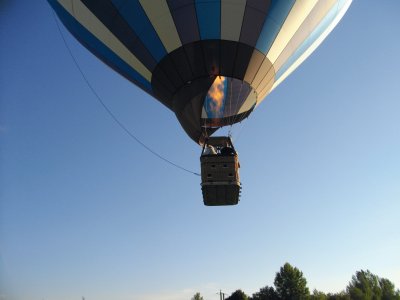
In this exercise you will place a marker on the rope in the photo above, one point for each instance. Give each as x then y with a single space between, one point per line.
122 126
230 119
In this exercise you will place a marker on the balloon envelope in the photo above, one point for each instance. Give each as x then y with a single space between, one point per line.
209 61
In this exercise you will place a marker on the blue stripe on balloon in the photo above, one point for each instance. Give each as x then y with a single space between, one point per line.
324 24
277 15
209 18
98 48
137 19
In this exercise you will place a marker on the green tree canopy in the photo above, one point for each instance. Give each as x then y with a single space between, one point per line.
197 296
238 295
338 296
388 290
365 285
265 293
290 284
318 295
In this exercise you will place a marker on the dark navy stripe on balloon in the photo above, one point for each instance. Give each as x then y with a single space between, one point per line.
253 20
184 14
243 56
209 18
136 17
276 17
99 49
107 13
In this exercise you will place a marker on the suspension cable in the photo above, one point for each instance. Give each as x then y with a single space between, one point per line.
110 113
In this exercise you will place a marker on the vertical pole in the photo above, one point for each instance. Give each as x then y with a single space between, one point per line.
221 295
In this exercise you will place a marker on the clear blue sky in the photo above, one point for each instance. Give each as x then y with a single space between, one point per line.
85 211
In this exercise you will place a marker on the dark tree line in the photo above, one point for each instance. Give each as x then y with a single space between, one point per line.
290 284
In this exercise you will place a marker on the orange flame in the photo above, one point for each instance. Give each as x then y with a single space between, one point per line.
216 93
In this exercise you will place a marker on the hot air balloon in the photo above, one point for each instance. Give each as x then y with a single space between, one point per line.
211 62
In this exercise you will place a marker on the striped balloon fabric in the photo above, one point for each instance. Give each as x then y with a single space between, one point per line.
209 61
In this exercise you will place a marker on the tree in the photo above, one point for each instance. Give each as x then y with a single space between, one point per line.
197 296
365 285
238 295
388 290
265 293
318 295
290 284
338 296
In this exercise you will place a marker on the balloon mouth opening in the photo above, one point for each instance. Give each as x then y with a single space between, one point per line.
228 101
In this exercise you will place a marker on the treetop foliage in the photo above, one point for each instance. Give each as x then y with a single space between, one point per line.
197 296
238 295
365 285
290 284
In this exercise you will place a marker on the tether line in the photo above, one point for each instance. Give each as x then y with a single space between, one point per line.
111 114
